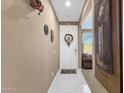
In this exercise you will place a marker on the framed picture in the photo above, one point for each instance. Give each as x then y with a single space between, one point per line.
46 29
52 36
103 35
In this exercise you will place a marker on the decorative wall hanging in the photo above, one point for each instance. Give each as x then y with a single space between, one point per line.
103 35
52 36
46 29
36 4
68 39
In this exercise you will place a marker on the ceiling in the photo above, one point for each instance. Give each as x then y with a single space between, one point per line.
68 14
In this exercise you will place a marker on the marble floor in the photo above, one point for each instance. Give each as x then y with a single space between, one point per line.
69 83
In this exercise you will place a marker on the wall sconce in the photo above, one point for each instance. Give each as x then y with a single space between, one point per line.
36 4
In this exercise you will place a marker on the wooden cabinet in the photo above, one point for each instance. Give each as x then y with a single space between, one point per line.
86 61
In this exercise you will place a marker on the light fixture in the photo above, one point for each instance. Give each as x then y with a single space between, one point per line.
68 3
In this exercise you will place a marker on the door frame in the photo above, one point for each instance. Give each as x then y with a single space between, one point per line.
78 48
86 31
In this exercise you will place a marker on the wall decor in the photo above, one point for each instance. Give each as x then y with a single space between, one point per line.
36 4
68 39
52 36
103 35
46 29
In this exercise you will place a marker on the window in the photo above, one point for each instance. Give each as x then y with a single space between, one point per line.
87 42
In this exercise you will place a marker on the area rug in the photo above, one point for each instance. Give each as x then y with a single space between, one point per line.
68 71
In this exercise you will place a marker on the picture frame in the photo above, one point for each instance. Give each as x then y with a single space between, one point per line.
103 35
46 29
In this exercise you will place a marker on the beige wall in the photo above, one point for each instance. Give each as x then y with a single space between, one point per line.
28 58
86 8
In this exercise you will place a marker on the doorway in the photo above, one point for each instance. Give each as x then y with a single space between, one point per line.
87 44
68 52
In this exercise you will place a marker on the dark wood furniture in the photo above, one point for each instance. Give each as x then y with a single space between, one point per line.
86 61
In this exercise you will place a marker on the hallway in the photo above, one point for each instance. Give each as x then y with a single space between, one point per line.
39 38
69 83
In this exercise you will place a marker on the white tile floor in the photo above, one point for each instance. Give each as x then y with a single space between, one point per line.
69 83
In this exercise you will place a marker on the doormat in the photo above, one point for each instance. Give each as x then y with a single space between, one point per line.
68 71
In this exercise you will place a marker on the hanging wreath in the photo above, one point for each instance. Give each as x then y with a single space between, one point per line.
68 39
36 4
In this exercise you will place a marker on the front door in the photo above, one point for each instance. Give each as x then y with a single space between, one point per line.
68 47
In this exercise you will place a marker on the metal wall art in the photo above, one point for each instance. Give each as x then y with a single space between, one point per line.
68 39
36 4
52 36
46 29
103 35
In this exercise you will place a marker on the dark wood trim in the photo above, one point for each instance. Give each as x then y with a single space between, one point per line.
69 23
87 30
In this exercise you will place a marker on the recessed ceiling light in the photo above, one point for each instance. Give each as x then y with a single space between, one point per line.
68 3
